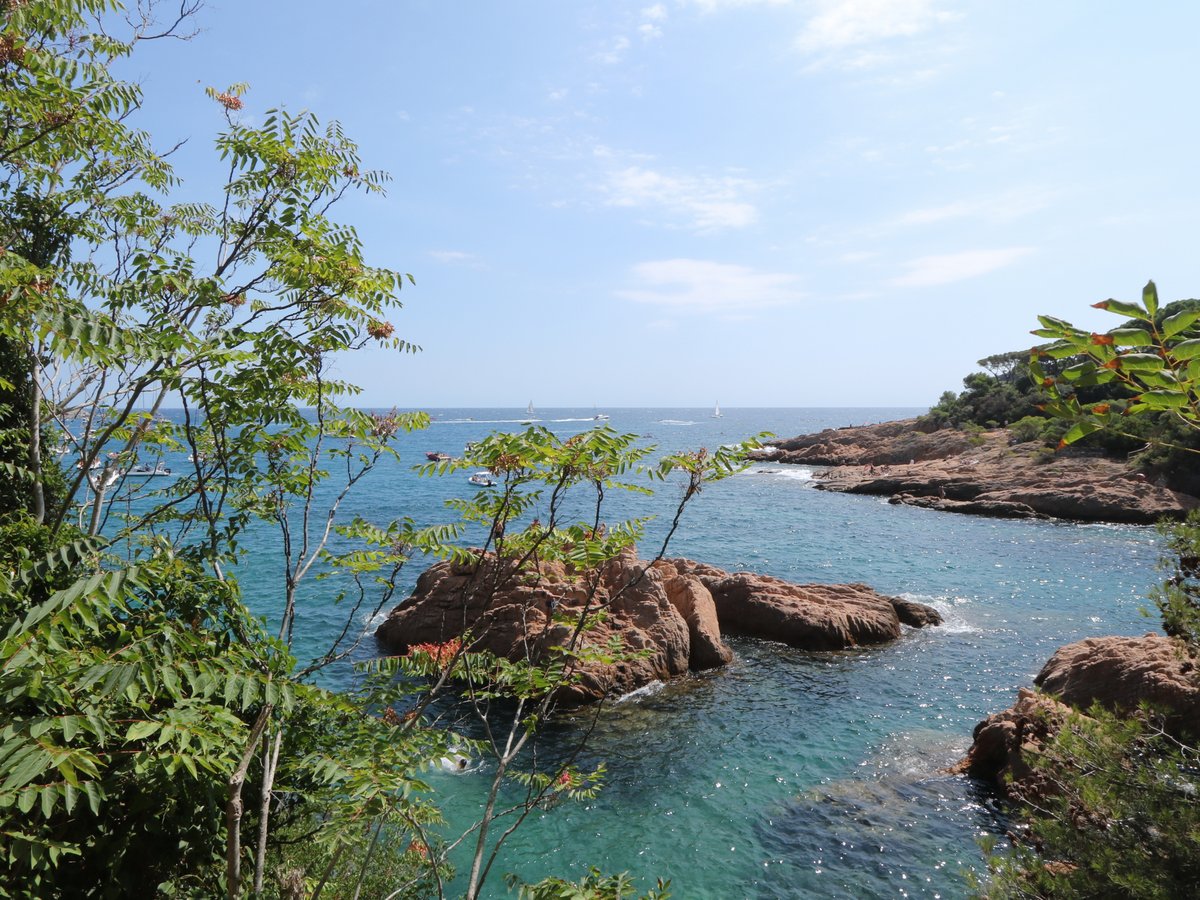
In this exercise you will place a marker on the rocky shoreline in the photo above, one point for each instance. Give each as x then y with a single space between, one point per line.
670 614
981 473
1118 673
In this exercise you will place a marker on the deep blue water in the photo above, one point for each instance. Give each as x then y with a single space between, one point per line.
791 774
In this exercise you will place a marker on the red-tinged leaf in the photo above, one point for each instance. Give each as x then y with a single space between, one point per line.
1114 363
1123 309
1101 340
1132 337
1049 382
1101 409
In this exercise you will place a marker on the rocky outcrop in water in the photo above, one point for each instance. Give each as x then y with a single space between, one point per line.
982 474
1119 673
674 611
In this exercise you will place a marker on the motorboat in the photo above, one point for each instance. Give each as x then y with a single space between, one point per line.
144 470
482 479
600 417
437 456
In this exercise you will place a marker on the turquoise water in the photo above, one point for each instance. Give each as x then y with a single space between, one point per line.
792 774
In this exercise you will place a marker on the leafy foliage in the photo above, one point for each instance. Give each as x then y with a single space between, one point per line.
593 886
155 737
1178 598
1125 820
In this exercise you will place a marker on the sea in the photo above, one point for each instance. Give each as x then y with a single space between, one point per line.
788 773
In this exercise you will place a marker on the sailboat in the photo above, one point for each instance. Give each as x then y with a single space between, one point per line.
528 420
716 413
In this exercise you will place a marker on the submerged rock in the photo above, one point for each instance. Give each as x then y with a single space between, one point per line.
670 615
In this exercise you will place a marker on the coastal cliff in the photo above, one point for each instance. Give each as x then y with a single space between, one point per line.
670 614
983 473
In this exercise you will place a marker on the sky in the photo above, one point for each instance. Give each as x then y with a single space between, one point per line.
751 202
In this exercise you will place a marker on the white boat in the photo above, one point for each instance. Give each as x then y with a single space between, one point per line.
146 471
600 417
529 409
716 413
483 479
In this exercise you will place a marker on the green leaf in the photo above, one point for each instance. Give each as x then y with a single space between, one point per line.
141 730
1189 349
1181 321
1079 430
1162 399
1150 298
1138 362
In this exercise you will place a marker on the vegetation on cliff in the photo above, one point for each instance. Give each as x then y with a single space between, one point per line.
1117 377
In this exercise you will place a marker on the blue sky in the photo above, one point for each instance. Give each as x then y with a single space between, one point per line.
757 202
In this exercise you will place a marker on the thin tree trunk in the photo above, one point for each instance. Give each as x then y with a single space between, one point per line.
233 808
270 763
35 436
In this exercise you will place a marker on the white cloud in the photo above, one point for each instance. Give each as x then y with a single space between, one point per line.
710 203
703 286
849 23
999 208
715 5
847 32
929 271
614 51
653 18
559 94
454 257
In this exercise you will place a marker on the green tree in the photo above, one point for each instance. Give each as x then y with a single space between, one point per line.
157 736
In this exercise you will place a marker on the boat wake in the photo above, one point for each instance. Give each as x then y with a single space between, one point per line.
676 422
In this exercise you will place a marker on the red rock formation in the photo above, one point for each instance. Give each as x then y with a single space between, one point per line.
1004 743
522 616
982 474
1119 673
675 611
812 616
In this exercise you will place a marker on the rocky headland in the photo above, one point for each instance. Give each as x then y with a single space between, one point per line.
670 616
984 473
1118 673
